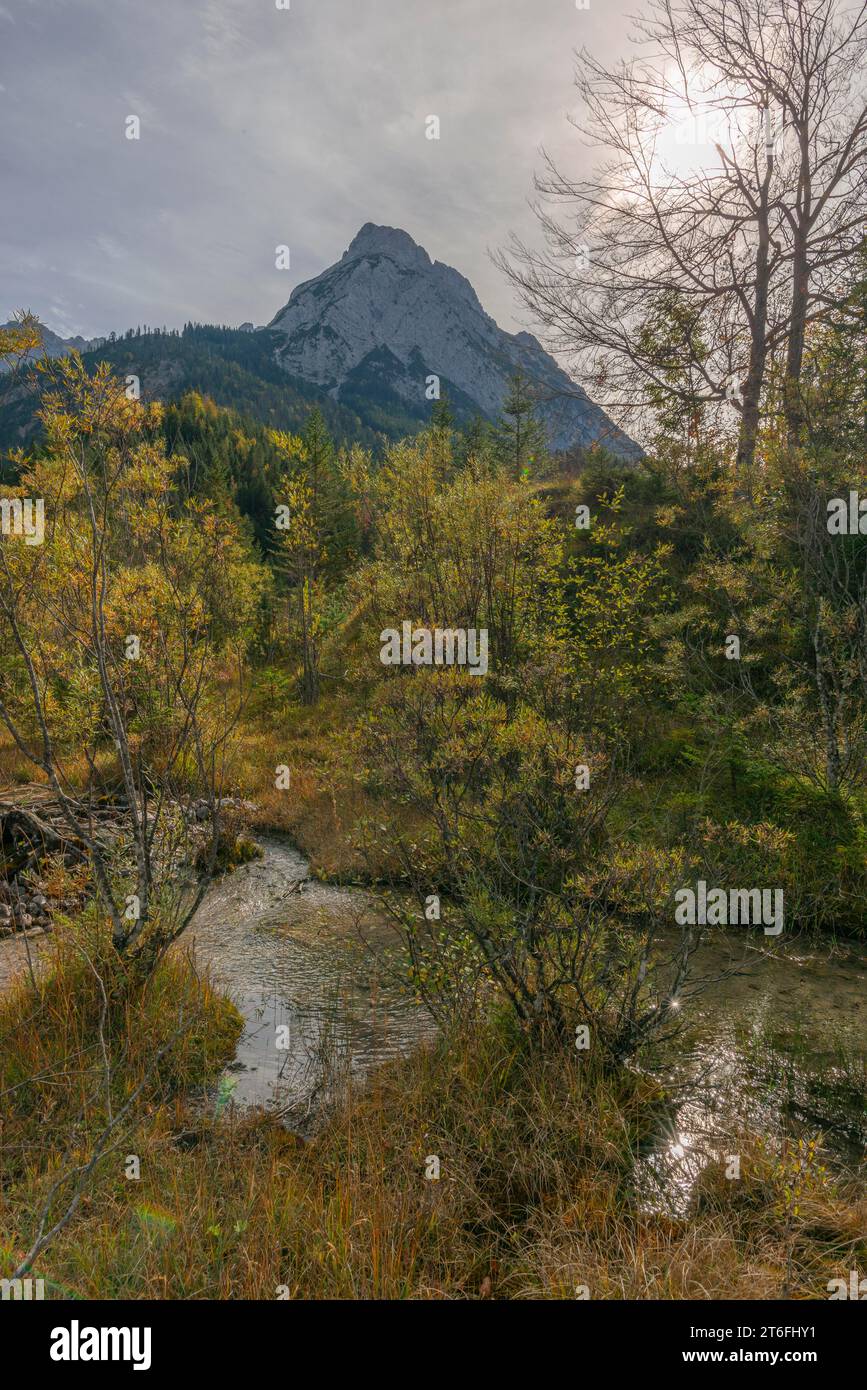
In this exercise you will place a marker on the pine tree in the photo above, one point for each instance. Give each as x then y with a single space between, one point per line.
442 416
520 434
320 454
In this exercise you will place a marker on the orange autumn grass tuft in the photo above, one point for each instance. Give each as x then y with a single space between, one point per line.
534 1198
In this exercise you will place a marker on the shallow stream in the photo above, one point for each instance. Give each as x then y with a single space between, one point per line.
781 1044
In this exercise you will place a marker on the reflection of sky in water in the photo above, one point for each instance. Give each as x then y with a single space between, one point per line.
780 1049
757 1050
295 961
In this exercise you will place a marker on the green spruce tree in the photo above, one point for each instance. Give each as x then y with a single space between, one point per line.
521 437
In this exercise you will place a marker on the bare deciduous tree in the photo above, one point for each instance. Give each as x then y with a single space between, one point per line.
752 245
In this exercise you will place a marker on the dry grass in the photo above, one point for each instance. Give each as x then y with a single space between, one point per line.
320 810
534 1197
325 803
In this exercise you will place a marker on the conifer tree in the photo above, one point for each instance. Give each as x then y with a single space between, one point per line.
520 433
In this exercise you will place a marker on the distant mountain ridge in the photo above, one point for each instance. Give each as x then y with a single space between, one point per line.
386 317
361 341
236 368
55 346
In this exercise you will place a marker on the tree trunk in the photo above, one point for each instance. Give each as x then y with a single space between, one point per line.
792 403
310 676
833 766
797 331
758 319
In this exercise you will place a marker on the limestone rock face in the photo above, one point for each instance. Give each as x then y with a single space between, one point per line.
386 317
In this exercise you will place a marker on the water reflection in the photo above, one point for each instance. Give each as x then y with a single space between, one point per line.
300 959
778 1048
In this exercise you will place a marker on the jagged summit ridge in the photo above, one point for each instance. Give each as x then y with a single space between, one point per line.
373 240
386 316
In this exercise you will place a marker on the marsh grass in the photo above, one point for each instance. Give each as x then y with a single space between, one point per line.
326 802
88 1056
535 1196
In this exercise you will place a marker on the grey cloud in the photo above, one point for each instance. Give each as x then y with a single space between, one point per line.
262 127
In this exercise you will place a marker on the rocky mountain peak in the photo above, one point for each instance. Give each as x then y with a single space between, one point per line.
398 245
374 328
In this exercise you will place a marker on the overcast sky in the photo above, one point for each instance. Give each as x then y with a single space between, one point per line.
262 127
